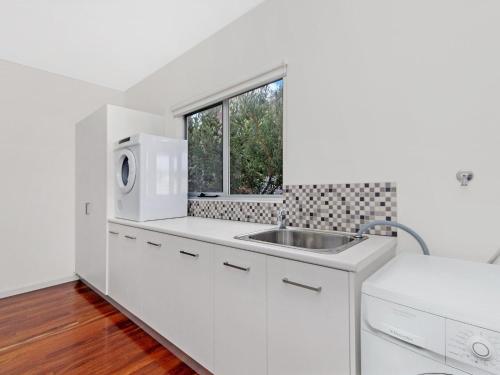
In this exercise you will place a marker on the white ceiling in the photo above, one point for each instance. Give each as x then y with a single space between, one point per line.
113 43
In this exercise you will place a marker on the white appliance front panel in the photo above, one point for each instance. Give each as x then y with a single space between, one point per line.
419 331
472 348
381 357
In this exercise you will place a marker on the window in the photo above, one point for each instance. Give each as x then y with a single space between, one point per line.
236 147
205 150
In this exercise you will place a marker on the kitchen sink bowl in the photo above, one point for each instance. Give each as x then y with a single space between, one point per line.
305 239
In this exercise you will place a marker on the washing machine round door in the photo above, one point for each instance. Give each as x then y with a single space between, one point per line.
125 170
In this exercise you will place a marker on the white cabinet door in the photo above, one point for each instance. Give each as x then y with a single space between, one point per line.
158 281
125 282
192 299
308 327
90 200
177 292
114 244
239 312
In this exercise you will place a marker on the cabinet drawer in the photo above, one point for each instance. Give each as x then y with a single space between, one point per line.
308 319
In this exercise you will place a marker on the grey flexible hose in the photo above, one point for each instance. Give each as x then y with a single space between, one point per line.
365 227
494 258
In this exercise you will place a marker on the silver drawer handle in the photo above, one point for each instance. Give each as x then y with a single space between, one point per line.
314 288
227 264
111 232
130 237
154 244
190 254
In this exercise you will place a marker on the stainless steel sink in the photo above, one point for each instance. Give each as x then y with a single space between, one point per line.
305 239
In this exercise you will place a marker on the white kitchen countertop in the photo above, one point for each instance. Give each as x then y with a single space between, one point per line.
222 232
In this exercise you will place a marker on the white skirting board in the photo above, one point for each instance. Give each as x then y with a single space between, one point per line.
32 287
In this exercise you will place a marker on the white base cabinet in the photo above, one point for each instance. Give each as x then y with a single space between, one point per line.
308 319
239 312
159 283
233 311
125 263
166 281
190 298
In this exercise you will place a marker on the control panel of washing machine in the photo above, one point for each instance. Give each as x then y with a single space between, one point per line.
469 347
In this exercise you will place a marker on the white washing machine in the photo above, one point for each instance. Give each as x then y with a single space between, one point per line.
431 315
150 177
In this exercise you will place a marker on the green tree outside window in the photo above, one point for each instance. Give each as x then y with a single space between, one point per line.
255 144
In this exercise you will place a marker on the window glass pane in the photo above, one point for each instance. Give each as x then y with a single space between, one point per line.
204 134
256 140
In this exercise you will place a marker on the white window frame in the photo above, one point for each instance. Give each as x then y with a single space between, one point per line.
223 96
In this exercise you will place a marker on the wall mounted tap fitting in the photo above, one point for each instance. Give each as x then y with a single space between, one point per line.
464 177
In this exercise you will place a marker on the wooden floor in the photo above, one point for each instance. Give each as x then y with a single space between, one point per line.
69 329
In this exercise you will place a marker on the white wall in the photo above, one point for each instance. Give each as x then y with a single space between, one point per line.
38 112
388 90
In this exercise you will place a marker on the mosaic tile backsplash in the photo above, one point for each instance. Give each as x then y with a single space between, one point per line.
339 207
254 212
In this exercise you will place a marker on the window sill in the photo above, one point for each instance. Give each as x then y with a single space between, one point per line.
240 198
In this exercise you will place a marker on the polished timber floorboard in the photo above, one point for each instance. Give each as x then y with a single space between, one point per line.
69 329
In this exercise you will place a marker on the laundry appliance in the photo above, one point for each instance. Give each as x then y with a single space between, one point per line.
150 177
425 315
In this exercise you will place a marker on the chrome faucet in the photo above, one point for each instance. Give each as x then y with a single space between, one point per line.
282 219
